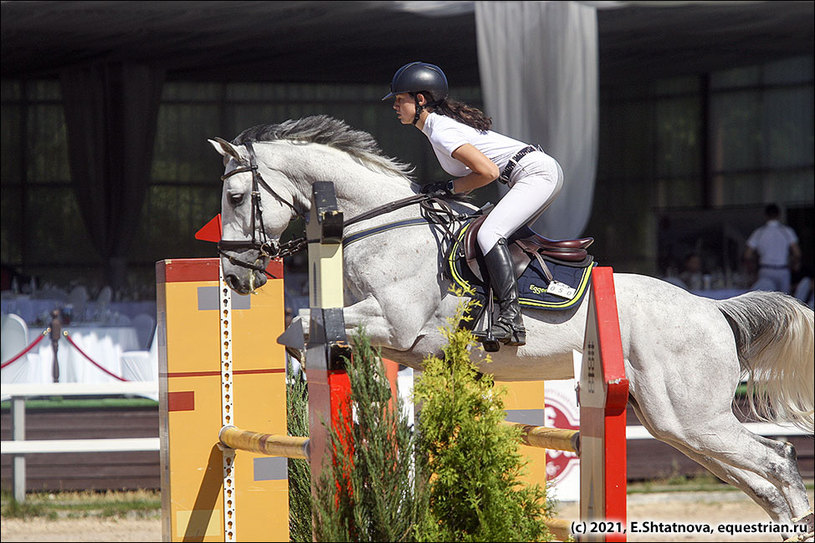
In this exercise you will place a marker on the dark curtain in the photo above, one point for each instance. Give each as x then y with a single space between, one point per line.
111 111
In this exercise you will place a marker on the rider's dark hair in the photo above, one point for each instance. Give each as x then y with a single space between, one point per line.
463 113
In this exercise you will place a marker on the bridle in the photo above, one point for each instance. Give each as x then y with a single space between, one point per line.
259 241
442 214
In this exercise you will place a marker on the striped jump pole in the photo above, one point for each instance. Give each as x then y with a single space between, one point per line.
559 439
603 396
268 444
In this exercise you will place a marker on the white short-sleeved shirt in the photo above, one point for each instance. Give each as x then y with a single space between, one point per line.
446 135
772 242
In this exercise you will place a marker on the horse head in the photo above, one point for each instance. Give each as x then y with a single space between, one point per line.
261 194
257 204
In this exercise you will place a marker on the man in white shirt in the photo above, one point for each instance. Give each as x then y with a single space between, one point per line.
776 246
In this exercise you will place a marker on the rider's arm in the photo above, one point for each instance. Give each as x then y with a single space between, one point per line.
483 170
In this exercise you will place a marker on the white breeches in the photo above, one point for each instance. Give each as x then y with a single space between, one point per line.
535 184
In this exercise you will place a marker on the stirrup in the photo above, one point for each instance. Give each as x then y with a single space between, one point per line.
509 334
490 342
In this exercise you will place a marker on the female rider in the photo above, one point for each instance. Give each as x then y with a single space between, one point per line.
467 149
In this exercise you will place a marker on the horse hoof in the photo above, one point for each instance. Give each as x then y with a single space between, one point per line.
807 520
806 517
802 537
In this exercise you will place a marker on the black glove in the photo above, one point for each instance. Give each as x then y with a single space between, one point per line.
441 186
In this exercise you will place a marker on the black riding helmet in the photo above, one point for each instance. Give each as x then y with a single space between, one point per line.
417 77
422 77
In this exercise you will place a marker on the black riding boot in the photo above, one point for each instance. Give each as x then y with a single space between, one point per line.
509 326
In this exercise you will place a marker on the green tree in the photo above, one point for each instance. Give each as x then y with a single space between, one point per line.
456 477
373 491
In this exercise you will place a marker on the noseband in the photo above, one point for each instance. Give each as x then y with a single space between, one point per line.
259 241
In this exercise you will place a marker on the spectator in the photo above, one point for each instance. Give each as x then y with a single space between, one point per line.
775 246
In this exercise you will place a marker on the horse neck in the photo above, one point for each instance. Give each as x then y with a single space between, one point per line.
359 186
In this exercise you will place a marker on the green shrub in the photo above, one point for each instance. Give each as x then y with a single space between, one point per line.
475 490
455 477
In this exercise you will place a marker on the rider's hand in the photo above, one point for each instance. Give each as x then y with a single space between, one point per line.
441 186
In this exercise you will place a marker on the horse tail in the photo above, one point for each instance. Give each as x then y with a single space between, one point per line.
774 340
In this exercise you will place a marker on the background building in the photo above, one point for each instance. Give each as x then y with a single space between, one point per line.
704 113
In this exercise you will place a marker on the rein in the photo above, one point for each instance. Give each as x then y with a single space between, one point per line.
435 210
443 216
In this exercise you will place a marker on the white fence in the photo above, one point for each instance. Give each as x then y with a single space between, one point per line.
20 446
19 392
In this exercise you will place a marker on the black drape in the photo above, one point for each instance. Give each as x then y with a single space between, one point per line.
111 110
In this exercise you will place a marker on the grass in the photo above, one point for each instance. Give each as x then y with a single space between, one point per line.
699 483
87 504
59 402
680 483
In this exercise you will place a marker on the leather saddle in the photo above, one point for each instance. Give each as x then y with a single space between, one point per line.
523 246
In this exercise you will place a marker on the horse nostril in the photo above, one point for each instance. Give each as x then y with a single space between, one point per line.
231 281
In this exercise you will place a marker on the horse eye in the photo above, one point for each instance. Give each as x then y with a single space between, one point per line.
235 197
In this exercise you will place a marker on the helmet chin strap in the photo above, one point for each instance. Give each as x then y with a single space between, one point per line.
419 109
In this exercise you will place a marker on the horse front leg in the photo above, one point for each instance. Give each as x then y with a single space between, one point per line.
369 315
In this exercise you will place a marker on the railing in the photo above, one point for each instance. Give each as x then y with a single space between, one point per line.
19 447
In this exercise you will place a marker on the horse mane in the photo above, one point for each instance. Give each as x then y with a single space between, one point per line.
327 131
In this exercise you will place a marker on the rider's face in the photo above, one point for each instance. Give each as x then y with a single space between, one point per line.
405 107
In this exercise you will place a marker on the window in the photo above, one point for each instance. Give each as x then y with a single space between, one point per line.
690 162
761 134
43 232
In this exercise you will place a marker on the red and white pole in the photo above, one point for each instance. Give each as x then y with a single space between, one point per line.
603 399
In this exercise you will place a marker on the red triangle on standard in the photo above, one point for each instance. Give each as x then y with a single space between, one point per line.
211 231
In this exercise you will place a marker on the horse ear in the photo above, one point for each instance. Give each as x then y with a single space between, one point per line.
224 148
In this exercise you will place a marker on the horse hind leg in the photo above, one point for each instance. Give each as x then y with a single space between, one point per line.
760 490
775 462
765 469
